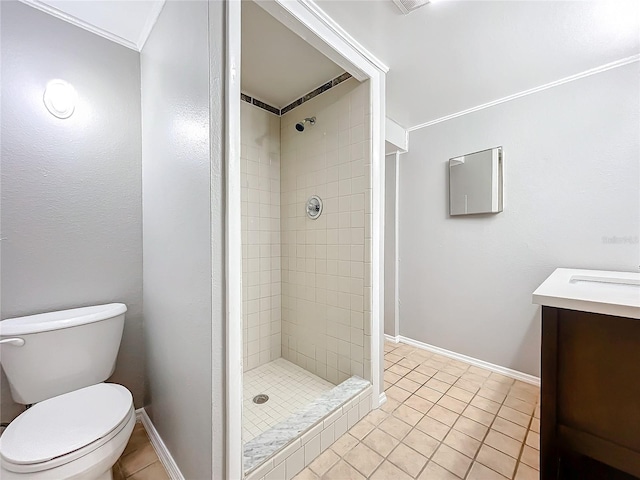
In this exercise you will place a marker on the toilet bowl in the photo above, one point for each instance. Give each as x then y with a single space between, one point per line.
77 435
77 426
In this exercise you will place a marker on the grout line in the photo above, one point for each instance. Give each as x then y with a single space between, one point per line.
485 437
118 464
489 427
524 442
440 442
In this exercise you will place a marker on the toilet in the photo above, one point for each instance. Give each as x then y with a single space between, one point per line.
77 426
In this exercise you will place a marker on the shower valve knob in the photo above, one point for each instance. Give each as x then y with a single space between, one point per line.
314 207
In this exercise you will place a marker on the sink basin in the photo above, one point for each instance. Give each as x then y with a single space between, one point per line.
604 292
631 282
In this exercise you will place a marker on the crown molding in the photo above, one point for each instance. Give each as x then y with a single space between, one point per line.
137 46
546 86
320 14
149 24
43 7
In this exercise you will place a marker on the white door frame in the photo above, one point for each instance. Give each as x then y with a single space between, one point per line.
233 247
306 19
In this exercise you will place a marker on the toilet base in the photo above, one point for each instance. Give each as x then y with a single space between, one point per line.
108 475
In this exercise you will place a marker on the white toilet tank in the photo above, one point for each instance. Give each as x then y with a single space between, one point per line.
53 353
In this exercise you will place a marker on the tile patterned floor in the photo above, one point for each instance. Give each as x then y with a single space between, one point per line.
139 460
444 420
289 387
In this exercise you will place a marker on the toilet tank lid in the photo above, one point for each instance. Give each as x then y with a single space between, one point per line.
45 322
63 424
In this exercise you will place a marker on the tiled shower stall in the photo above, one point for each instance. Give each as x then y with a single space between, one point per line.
306 283
261 266
323 260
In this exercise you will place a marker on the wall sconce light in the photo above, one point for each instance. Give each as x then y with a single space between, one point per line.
60 98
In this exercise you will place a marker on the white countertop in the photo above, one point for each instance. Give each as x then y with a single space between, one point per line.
595 291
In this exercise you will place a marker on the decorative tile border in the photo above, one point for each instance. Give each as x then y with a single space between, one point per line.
297 441
321 89
259 104
316 92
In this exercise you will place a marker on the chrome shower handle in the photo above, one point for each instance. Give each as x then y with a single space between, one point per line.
16 342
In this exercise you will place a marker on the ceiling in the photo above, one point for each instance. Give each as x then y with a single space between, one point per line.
452 55
277 65
126 22
444 58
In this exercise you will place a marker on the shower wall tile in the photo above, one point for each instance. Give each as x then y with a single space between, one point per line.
261 274
326 263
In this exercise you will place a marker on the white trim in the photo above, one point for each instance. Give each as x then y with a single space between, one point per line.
161 449
391 338
524 377
562 81
149 24
43 7
233 243
302 21
378 115
396 135
344 36
382 399
397 246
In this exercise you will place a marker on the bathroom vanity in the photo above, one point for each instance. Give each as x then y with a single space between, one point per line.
590 382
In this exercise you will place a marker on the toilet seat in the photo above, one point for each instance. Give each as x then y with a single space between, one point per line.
64 428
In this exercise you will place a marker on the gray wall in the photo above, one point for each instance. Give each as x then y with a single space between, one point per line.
390 324
217 71
571 178
71 189
182 204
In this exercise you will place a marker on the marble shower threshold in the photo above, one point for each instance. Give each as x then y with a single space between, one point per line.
274 440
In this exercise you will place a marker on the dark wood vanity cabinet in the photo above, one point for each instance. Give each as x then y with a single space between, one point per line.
590 395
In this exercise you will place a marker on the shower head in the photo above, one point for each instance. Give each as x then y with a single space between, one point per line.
300 125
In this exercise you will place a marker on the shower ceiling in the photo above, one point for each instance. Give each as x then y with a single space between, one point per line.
277 65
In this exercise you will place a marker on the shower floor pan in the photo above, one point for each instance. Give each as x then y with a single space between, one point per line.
302 408
289 388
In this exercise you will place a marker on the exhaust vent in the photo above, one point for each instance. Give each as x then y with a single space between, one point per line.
407 6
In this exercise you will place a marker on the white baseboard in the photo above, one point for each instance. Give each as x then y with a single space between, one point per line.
158 445
524 377
383 399
391 338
